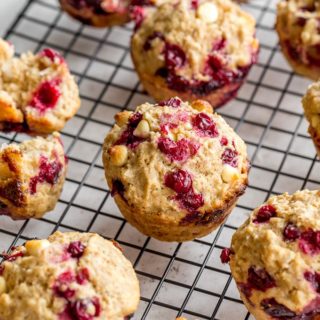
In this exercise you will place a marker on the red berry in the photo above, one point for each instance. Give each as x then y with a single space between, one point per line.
291 232
314 279
81 309
259 279
180 181
46 96
225 255
82 276
230 157
62 285
76 249
51 54
191 201
205 125
309 242
265 213
277 310
224 141
172 102
194 4
175 57
155 35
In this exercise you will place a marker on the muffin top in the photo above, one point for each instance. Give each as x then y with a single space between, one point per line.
196 41
176 160
99 7
69 276
311 105
31 176
275 256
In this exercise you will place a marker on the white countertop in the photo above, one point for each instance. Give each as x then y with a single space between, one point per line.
9 9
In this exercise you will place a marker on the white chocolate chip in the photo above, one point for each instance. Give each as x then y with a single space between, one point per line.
229 173
118 155
142 130
2 285
34 247
122 118
208 12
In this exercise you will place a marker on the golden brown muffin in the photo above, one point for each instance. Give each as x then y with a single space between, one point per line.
311 105
78 276
32 175
176 170
297 27
38 95
275 258
194 49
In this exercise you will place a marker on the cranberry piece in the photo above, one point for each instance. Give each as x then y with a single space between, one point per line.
259 279
181 150
61 286
177 83
76 249
194 4
265 213
12 257
225 255
314 279
141 3
301 21
82 276
291 232
127 137
219 45
180 181
137 14
224 141
155 35
46 96
309 242
191 201
175 57
277 310
117 188
230 157
49 172
86 309
205 125
51 54
1 270
215 62
172 102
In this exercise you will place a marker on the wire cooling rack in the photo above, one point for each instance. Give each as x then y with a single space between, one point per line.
176 279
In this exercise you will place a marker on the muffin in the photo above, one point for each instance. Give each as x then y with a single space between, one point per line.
98 13
32 175
175 170
299 34
70 276
195 49
275 258
37 92
311 105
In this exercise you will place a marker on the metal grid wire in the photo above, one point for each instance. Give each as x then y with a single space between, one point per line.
176 279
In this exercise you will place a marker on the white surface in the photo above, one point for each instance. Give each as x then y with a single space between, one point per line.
8 11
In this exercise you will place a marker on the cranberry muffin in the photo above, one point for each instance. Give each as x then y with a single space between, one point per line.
98 13
299 34
37 92
32 175
195 49
175 170
70 276
275 258
311 105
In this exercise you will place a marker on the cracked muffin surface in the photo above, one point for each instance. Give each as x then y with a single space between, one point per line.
298 29
38 95
69 276
194 49
176 170
275 258
32 175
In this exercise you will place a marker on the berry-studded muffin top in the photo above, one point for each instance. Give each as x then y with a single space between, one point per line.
298 21
311 104
275 256
69 276
176 158
37 92
192 43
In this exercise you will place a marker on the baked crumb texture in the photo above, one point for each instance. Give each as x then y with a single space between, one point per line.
78 276
32 175
194 49
275 258
37 92
192 167
298 29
